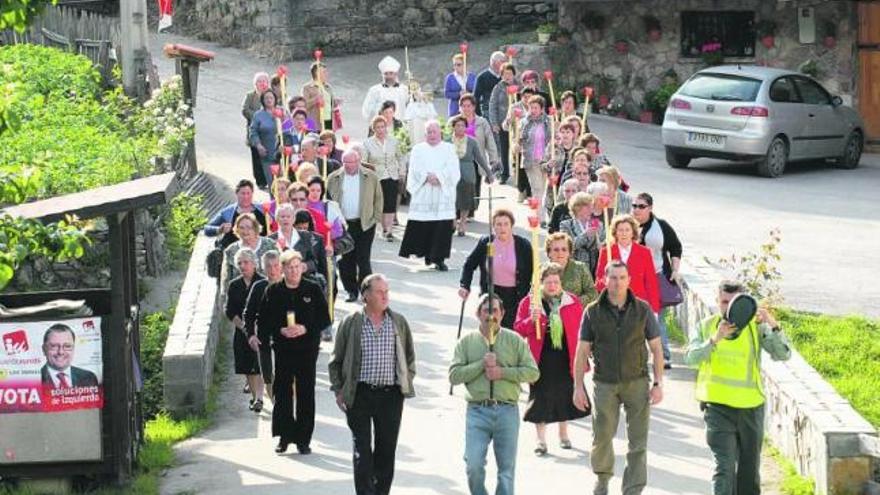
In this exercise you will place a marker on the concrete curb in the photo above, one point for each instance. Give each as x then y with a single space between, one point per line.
807 420
188 361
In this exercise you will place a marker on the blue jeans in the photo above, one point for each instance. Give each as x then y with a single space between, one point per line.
499 425
664 333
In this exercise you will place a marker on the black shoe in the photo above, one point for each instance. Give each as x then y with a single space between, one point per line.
251 404
441 267
667 365
246 389
257 407
304 449
282 447
352 297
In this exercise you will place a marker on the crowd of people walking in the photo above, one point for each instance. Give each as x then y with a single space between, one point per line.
596 304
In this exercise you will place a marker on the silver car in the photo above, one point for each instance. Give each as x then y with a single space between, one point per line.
770 116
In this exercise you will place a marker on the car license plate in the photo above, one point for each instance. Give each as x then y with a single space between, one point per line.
700 140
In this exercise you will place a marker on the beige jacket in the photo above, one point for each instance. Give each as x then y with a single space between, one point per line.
370 198
312 93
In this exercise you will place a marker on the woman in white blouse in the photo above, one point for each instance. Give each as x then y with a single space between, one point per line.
382 154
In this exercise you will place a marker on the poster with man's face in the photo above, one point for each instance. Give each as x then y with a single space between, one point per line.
51 366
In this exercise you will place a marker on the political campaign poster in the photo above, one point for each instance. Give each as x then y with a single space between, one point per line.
51 366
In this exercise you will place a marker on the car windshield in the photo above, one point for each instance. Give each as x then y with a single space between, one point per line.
721 87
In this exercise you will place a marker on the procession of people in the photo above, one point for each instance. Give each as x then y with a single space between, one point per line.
595 304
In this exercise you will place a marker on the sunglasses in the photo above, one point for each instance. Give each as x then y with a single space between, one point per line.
641 207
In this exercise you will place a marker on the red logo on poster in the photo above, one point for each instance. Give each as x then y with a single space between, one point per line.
15 342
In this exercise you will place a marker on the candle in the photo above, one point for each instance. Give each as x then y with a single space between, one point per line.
588 93
291 318
463 47
535 223
548 75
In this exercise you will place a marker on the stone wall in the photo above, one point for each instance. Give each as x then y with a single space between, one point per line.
591 58
284 29
805 418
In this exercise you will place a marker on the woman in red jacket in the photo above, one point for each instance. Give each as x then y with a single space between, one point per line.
638 259
553 346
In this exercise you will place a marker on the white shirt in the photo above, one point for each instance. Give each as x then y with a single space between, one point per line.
462 82
53 373
429 202
351 196
654 240
624 252
292 240
379 94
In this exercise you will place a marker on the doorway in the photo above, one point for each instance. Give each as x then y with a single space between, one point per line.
869 68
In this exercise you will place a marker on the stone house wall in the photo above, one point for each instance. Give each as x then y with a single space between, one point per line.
284 29
590 57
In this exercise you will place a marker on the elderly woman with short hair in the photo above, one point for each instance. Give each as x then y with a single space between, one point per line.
585 229
246 362
382 153
576 276
561 212
263 134
248 230
470 157
250 106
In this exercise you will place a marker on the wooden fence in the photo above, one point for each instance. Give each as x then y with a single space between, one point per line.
83 32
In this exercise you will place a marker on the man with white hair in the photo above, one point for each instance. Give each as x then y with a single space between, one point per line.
389 89
432 181
486 82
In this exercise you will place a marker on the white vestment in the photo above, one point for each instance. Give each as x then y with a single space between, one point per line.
430 203
379 94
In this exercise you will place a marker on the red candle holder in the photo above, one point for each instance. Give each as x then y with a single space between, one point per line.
551 111
510 51
346 138
292 166
603 200
588 92
512 89
319 54
274 169
534 221
518 112
288 150
548 75
463 47
282 71
278 113
534 203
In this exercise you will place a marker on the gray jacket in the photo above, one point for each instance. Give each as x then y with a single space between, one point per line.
486 139
345 360
498 104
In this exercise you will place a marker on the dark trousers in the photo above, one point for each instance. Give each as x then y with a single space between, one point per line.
523 185
734 435
374 420
257 166
293 368
476 190
354 266
503 142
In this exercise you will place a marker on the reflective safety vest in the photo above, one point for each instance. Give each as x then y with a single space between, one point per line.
732 374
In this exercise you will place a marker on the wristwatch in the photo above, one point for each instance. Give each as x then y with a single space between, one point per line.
658 384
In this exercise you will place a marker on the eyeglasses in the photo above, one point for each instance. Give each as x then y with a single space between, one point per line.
641 206
457 64
59 347
559 249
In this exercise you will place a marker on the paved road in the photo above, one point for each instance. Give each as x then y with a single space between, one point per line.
236 454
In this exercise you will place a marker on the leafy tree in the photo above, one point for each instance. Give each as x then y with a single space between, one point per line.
18 14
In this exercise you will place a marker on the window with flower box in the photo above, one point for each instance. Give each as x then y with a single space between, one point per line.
732 32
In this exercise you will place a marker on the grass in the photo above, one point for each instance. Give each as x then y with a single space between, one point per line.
792 482
845 350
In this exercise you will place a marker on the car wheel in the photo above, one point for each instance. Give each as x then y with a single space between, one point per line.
773 165
852 152
675 160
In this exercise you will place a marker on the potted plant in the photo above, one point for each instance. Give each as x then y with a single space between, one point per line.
646 115
594 22
545 31
652 28
767 33
829 34
711 54
811 68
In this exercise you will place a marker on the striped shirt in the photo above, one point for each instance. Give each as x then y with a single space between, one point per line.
378 352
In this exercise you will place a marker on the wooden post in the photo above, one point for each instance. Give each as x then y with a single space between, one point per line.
135 52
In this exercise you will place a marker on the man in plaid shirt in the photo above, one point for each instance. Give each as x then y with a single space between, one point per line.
371 371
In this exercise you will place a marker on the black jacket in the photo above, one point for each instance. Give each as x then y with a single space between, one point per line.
523 251
79 377
486 82
312 250
671 244
309 306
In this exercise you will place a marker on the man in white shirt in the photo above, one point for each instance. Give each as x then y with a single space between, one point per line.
356 189
58 346
389 89
432 180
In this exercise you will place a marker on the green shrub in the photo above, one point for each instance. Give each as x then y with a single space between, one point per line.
185 217
845 350
154 333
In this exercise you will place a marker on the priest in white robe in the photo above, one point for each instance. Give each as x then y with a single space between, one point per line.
433 177
389 89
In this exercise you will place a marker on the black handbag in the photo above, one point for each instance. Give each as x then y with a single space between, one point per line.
214 261
344 244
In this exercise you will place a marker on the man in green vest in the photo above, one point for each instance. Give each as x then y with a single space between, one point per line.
730 391
614 332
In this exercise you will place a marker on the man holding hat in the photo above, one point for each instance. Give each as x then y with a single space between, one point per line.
389 89
730 391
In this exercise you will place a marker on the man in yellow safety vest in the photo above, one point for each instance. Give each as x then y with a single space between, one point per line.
730 391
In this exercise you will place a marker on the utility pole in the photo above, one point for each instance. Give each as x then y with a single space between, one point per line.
135 53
